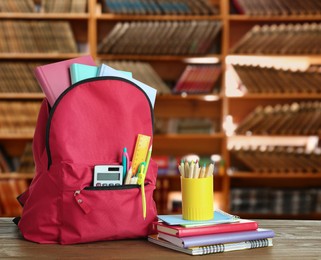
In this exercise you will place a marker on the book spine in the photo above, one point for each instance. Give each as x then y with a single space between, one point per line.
44 84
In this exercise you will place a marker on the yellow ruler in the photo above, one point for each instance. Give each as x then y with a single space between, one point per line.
140 152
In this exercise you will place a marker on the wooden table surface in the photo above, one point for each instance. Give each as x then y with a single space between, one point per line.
295 239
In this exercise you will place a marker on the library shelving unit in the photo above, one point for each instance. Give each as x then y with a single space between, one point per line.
238 106
223 109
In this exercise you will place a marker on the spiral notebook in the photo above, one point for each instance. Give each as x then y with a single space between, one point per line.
212 249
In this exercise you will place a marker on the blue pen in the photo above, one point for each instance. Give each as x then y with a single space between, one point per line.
125 162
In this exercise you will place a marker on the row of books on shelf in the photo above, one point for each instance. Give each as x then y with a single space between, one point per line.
223 233
9 191
299 38
43 6
37 37
302 118
277 7
21 164
275 201
18 117
257 79
277 159
159 7
18 77
161 38
198 79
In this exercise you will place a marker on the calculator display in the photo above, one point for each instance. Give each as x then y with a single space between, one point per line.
107 176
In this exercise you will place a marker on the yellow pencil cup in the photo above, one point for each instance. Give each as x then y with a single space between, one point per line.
197 198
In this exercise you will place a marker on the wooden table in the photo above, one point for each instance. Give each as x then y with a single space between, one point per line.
295 239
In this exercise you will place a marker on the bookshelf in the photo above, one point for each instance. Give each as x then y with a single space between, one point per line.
276 185
223 109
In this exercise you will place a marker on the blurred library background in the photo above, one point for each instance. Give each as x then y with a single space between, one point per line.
239 85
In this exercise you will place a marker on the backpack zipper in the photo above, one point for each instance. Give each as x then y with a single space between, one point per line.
52 111
120 187
86 208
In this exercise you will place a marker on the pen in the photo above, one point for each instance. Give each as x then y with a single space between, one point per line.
125 162
141 181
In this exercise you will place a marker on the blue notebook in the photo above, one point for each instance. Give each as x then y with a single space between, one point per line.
219 217
104 70
79 72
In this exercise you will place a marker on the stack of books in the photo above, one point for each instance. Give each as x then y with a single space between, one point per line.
223 233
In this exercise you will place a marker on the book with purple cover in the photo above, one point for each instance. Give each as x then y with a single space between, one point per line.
204 240
179 231
54 78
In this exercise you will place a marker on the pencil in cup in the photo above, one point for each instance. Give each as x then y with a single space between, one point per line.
193 170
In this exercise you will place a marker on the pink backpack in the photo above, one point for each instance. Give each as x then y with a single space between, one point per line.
90 124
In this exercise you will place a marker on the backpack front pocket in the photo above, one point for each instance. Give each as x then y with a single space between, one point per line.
106 214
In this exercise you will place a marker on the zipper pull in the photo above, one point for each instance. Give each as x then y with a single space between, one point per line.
80 201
